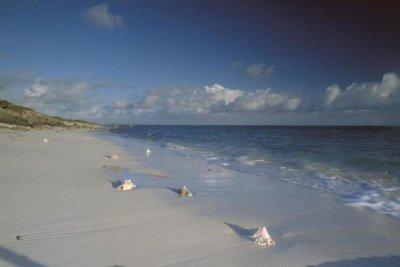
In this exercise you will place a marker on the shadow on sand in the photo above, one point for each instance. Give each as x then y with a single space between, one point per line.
115 183
175 190
245 233
17 259
389 261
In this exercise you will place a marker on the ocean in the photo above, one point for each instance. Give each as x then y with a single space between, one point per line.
359 164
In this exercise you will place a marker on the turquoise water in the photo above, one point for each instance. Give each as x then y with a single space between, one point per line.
360 164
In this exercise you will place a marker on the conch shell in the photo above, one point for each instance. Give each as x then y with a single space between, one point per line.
127 185
262 238
185 192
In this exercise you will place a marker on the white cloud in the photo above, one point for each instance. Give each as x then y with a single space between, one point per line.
219 93
332 92
148 102
37 89
260 70
214 99
292 103
366 95
64 97
365 103
265 99
362 103
103 18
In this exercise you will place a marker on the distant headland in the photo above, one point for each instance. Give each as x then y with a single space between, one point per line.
19 117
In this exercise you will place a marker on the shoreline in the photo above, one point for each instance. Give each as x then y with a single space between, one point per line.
64 207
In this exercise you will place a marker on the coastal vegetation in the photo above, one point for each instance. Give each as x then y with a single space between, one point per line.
19 117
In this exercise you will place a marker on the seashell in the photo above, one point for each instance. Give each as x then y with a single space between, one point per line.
185 192
114 156
262 238
127 185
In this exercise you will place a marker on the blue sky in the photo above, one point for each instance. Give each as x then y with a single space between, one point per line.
204 62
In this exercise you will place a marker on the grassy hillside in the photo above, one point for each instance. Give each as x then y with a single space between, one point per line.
12 115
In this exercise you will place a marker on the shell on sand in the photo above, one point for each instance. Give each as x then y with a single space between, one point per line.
184 191
127 185
44 140
114 156
262 238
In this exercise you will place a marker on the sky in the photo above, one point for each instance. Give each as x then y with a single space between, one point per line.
204 62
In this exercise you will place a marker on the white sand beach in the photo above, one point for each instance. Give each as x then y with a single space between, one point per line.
59 207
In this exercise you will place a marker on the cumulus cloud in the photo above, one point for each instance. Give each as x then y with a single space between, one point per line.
362 102
292 103
265 99
57 96
332 92
260 71
365 95
37 89
219 93
214 99
64 97
101 16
